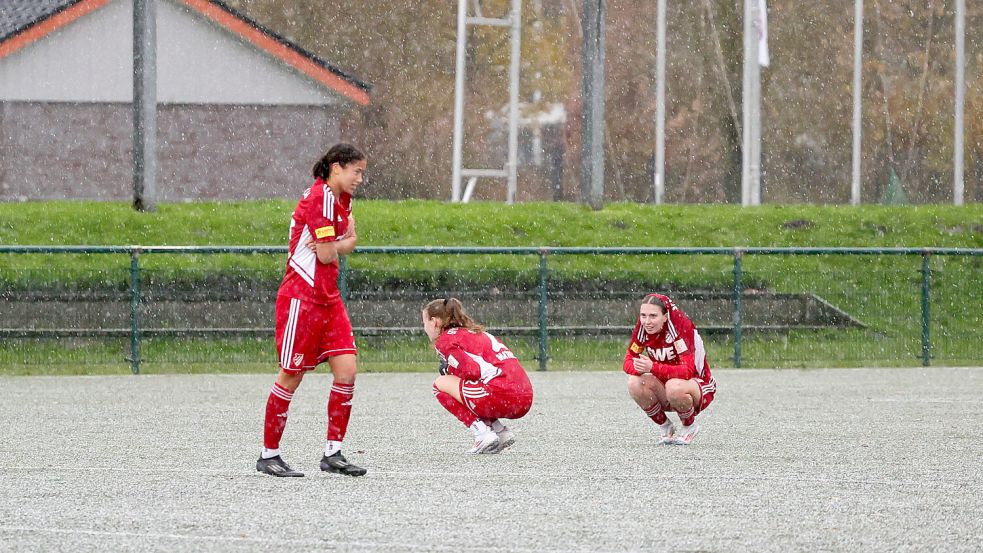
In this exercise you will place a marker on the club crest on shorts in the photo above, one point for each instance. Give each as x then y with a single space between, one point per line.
298 358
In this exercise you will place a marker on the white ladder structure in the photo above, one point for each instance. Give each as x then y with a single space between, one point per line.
510 169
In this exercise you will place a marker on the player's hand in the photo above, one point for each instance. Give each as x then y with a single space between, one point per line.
350 231
643 365
311 245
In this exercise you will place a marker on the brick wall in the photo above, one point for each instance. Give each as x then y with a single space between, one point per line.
83 151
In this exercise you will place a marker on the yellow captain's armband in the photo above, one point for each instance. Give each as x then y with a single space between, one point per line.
636 348
324 232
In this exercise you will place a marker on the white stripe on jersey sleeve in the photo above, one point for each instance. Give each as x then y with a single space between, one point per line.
328 207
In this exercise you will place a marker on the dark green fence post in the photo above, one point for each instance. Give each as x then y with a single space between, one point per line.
543 298
926 343
738 314
135 310
343 278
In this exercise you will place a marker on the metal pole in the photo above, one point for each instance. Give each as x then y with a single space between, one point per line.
659 185
926 341
343 278
957 185
513 163
592 127
738 313
746 115
858 52
755 158
462 37
543 299
144 105
134 358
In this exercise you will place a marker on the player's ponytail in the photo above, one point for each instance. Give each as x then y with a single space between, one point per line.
342 153
450 312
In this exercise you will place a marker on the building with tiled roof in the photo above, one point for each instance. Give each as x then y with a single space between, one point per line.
242 111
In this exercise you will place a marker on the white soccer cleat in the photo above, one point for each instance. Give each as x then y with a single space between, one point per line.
486 442
686 434
505 439
667 432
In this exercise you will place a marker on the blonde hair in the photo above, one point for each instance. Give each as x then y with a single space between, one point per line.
450 312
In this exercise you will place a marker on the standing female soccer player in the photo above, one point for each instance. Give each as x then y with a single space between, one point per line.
481 380
312 325
668 368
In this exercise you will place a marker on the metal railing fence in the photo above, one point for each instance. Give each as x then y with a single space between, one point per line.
893 320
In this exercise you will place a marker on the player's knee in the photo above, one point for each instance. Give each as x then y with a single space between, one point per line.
636 385
289 380
677 391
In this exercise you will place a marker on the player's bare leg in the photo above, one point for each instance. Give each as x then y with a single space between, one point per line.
649 393
277 407
344 369
447 390
684 396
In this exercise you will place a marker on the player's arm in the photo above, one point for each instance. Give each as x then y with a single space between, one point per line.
460 364
634 356
328 248
636 364
346 244
685 369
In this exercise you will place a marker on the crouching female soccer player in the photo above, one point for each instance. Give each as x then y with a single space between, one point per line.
480 380
668 369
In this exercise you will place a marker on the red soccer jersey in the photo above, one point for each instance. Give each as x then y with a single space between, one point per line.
676 351
321 216
480 356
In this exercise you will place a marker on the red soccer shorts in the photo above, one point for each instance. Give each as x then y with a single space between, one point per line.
308 333
495 400
707 389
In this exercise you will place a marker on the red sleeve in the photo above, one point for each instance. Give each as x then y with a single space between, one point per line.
685 369
634 349
318 215
459 363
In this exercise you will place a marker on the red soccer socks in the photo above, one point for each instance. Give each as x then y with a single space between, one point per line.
456 408
276 416
339 410
688 417
656 413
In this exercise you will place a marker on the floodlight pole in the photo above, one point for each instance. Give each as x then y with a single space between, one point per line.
858 52
145 105
592 117
751 107
659 184
960 100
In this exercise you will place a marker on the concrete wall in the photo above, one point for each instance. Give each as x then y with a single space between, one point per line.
83 151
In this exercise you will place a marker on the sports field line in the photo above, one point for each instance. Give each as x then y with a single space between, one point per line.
566 476
402 545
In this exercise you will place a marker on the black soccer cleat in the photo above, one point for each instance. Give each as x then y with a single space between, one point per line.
339 465
275 466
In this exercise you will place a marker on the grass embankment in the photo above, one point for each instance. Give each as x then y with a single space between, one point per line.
883 291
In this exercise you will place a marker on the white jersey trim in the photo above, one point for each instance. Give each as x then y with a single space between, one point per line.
488 371
699 352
